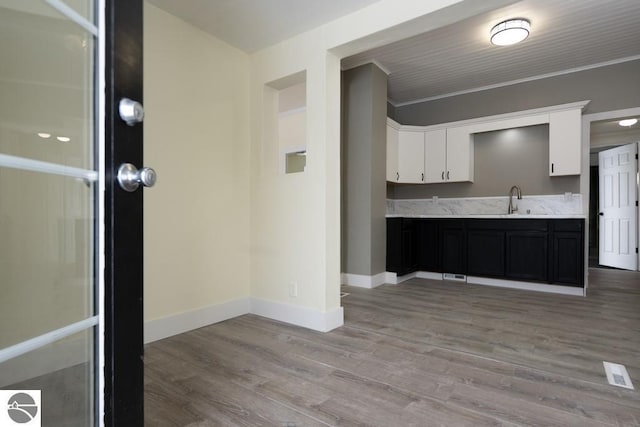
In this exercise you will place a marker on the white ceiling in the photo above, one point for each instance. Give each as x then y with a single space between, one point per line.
251 25
565 35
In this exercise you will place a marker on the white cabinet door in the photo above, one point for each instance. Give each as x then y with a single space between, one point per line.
411 156
392 154
435 156
565 142
459 155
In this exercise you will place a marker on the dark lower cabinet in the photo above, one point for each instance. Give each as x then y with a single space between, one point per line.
567 253
453 253
401 245
428 245
536 250
527 255
485 253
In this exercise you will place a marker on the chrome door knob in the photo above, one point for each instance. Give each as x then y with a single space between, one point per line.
130 111
130 178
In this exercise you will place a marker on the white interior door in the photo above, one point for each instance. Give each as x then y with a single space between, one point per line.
618 211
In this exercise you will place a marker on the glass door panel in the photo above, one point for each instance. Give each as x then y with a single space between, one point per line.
46 82
49 202
46 254
64 371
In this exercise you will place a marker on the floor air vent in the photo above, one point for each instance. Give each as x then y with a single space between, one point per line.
455 277
617 375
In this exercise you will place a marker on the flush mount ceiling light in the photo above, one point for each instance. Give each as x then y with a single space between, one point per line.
628 122
510 32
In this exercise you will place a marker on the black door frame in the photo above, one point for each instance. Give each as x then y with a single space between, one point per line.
123 341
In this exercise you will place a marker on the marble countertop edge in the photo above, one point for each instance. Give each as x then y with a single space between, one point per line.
494 216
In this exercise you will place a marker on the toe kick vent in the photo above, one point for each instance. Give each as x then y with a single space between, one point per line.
454 277
617 375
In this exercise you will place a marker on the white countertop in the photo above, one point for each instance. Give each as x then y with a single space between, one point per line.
494 216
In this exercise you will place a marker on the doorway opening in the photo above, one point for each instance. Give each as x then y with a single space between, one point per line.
613 188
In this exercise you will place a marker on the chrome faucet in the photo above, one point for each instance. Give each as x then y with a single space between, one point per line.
512 208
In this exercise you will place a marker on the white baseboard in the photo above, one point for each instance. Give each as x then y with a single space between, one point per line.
400 279
296 315
390 278
164 327
529 286
363 281
513 284
429 275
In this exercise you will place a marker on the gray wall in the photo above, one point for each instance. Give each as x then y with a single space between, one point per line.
363 156
609 88
391 111
501 159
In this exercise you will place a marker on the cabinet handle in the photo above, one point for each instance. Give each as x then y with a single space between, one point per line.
443 175
447 175
551 167
397 176
422 177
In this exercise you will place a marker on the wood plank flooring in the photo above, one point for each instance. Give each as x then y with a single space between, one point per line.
417 354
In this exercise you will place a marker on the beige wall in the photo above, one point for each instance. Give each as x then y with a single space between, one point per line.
224 222
295 219
197 139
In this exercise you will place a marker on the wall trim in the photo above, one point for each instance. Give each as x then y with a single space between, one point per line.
368 61
400 279
300 316
390 278
364 281
521 118
164 327
528 286
429 275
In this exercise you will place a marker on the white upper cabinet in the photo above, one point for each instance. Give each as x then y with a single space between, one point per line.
435 155
448 155
392 154
459 155
444 152
565 142
410 157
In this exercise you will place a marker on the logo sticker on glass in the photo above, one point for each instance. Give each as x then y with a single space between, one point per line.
20 408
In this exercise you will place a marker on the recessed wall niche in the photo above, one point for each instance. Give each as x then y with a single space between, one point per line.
291 129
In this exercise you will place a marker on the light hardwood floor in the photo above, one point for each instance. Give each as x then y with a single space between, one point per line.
417 354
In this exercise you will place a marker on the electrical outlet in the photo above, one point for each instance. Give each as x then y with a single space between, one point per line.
293 289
